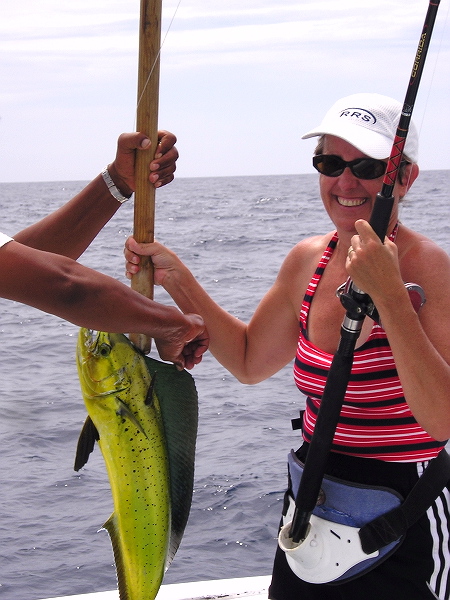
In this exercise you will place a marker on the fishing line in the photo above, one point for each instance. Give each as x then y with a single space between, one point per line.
130 231
427 94
159 54
432 71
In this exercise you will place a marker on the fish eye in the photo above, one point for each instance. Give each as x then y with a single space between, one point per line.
104 350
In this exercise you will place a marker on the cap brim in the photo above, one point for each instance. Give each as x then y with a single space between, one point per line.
370 143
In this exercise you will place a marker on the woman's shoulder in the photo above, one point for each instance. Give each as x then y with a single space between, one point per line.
306 254
313 245
409 241
419 254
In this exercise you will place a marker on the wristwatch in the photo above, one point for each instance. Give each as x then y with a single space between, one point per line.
112 187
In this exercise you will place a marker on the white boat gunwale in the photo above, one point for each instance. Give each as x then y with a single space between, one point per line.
223 589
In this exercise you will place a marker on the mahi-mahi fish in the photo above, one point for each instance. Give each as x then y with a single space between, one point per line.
143 413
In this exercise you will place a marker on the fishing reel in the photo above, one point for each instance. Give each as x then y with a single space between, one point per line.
359 305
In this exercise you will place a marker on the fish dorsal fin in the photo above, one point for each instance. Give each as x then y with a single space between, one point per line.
111 528
86 442
178 401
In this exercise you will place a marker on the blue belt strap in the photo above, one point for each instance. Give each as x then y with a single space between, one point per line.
393 524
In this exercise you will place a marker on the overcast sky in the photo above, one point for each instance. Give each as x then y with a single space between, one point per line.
241 80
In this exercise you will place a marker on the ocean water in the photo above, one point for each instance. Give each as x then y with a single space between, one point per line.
233 232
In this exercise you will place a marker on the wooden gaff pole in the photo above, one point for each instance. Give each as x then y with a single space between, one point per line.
146 122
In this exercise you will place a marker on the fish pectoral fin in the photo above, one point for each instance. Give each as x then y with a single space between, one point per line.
86 442
124 412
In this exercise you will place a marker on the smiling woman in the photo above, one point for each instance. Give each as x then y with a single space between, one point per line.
349 196
389 426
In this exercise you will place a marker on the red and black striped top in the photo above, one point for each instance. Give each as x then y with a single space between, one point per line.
375 420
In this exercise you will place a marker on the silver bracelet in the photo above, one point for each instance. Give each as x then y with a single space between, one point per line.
112 188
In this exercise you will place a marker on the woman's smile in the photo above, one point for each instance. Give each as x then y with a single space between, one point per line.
351 201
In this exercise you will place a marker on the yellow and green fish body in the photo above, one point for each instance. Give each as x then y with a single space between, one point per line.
144 415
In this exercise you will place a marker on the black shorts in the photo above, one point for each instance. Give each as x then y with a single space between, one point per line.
418 569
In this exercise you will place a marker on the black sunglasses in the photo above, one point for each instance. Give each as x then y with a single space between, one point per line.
362 168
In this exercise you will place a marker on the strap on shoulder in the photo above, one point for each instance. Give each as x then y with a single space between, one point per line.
391 526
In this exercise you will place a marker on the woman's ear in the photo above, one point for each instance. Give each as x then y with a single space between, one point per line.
409 176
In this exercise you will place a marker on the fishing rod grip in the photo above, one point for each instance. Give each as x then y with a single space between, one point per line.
300 527
381 214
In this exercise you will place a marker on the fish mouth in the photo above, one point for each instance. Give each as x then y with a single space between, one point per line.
95 346
92 339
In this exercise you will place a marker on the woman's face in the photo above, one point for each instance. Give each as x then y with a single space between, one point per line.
347 198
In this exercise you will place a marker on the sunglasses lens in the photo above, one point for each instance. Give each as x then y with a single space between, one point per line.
363 168
368 168
329 165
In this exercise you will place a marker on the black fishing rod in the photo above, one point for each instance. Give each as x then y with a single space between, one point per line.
358 305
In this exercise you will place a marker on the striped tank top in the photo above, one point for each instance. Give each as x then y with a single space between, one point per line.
375 420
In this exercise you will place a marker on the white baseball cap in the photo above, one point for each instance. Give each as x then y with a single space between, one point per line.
368 122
